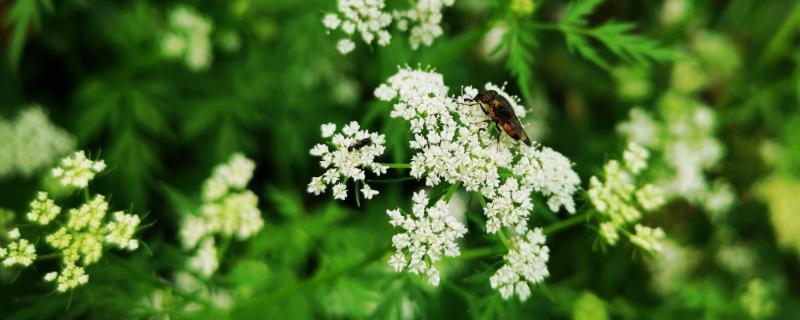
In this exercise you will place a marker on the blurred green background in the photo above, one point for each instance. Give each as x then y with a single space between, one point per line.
98 71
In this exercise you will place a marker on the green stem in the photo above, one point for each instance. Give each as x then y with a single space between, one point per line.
397 165
451 191
781 38
86 195
566 223
480 253
158 283
49 256
392 180
358 198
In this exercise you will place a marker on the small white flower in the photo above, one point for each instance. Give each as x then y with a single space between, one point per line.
340 191
647 238
43 209
205 260
635 157
50 276
348 156
328 130
649 197
13 234
71 277
20 252
368 192
188 38
609 233
120 231
428 234
77 170
345 46
525 264
316 186
331 21
385 93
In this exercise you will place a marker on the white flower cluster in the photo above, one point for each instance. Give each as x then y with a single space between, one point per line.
526 264
20 252
424 18
683 129
43 209
229 209
188 38
348 155
371 20
77 170
620 201
82 239
31 142
365 16
453 144
428 234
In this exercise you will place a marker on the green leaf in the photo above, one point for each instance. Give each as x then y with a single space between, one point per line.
285 201
24 15
615 36
578 10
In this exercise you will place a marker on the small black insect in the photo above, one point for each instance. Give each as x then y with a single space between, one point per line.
359 144
502 113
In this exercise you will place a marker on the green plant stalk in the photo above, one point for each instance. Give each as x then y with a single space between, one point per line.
566 223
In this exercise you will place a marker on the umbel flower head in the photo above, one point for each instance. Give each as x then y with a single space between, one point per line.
348 155
370 20
81 239
188 38
31 142
367 17
526 263
19 252
229 209
453 143
429 233
621 202
77 170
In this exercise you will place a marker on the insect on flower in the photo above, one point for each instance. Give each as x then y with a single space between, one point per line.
500 111
359 144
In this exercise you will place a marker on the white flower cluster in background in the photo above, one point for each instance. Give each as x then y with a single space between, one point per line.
423 19
367 17
81 239
348 155
525 263
429 233
188 38
370 20
621 201
453 144
682 129
31 142
229 209
77 170
684 135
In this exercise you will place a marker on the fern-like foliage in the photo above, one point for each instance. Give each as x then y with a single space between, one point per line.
24 16
123 115
615 36
519 43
